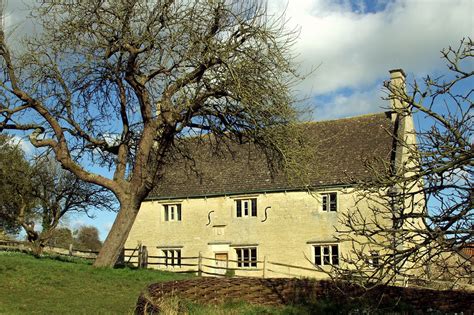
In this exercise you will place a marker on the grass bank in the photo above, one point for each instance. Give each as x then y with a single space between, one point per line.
55 285
48 285
30 285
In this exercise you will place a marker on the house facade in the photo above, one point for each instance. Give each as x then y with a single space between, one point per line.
231 209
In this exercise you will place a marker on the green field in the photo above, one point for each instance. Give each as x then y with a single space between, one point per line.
30 285
49 285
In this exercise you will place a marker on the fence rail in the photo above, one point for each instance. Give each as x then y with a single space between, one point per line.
211 266
200 265
9 245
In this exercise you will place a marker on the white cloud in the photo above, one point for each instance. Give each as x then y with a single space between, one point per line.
356 49
77 221
354 45
17 22
352 104
24 144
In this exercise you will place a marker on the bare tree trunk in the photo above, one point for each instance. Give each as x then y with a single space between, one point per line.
37 247
118 234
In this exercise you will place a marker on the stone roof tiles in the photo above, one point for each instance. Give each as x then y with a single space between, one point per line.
342 149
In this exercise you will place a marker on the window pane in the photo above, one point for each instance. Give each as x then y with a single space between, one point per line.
333 202
317 255
375 259
254 207
178 257
179 212
246 257
326 257
335 254
239 257
253 257
246 207
166 213
325 202
171 213
239 208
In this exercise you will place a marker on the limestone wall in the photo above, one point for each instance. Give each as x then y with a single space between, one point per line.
285 229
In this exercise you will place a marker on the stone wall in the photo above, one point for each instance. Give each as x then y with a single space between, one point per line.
287 226
281 291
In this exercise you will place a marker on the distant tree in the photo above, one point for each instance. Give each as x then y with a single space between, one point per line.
421 214
35 196
17 204
59 192
87 238
120 83
60 237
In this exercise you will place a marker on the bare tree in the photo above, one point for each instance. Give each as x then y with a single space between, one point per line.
119 83
420 208
59 192
42 193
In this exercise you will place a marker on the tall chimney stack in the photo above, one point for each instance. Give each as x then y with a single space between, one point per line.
401 117
397 88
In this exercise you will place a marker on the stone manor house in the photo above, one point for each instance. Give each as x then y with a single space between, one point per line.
241 215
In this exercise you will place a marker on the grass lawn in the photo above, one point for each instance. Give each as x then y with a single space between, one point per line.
49 285
30 285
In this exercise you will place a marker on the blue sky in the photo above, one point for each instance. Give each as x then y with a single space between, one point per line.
351 45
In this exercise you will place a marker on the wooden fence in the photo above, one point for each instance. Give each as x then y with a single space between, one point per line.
208 266
9 245
201 265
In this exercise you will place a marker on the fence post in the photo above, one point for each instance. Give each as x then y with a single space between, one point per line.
227 264
264 265
200 264
144 256
140 258
121 258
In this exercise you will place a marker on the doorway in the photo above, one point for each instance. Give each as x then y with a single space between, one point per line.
222 261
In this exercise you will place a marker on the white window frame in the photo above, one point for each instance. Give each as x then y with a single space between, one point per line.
329 254
172 212
172 257
374 259
326 204
249 263
246 208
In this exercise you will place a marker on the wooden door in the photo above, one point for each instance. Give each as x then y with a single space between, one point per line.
221 262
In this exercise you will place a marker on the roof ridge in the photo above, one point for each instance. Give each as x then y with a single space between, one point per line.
349 118
187 137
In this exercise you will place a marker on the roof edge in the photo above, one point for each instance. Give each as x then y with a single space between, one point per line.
385 112
249 192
